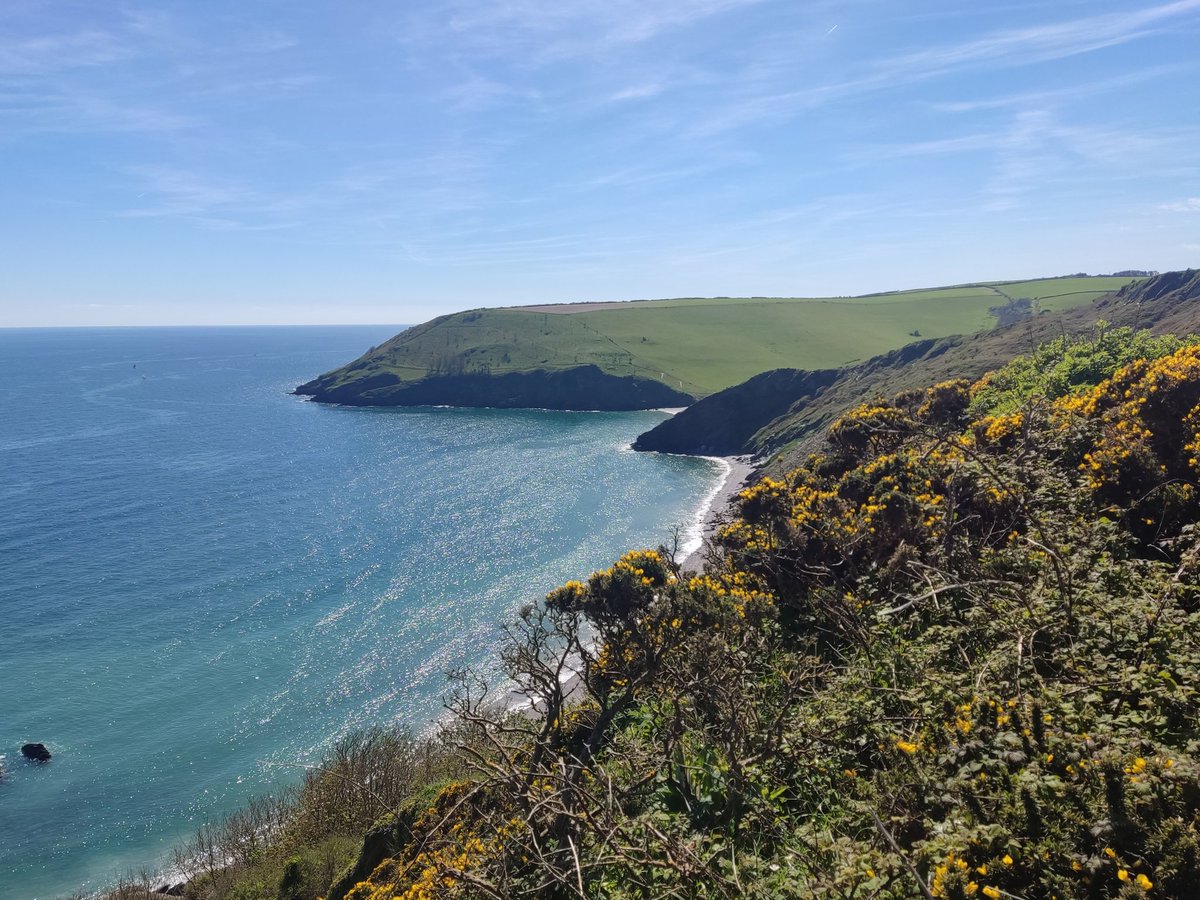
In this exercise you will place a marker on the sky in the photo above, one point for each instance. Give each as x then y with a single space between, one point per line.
270 162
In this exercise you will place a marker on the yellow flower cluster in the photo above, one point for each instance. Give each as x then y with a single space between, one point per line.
748 537
568 596
1147 409
870 425
647 566
955 868
945 400
765 489
996 429
740 589
436 871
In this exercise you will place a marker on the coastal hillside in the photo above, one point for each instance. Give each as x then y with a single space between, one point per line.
950 654
650 353
782 413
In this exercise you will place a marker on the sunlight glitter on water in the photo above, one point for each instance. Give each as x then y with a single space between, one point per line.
207 580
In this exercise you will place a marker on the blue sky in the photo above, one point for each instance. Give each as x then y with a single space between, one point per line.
264 161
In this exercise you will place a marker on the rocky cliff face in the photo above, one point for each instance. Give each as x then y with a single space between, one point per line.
719 424
581 387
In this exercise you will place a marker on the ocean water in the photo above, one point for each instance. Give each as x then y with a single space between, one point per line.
205 581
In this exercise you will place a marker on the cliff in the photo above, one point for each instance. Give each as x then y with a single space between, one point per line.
581 387
717 425
534 356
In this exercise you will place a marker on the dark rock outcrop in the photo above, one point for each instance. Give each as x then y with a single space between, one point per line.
580 387
721 423
36 752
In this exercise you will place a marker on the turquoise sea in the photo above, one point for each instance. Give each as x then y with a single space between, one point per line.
204 581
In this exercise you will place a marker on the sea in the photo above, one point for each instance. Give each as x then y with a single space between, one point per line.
206 581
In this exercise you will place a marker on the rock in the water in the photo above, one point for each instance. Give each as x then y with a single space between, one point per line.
36 752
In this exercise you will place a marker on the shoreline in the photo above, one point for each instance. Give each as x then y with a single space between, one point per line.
713 513
170 879
738 472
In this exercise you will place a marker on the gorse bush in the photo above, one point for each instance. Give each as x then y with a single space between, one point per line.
1066 364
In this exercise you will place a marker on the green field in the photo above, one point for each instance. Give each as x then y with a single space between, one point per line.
1054 294
703 345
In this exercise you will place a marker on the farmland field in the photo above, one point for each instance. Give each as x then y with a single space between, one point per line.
703 345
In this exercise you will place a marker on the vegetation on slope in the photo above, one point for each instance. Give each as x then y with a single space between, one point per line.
766 417
696 346
953 654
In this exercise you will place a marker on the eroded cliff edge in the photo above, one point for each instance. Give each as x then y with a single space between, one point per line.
720 424
578 388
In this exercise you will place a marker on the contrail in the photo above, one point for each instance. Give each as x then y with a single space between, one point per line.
831 31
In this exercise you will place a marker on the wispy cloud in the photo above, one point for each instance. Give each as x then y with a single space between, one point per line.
1008 48
475 92
388 195
179 192
1064 95
1025 159
543 250
623 146
455 174
133 70
31 108
1190 205
572 27
1042 43
43 54
256 89
1037 151
1092 142
637 92
643 176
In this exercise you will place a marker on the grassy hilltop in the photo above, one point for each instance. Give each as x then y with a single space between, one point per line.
699 346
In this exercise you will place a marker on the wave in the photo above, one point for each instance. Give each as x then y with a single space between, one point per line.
693 534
